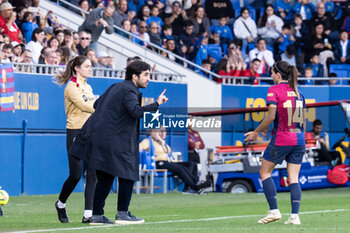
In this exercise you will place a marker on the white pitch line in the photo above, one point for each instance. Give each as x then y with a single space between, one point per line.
175 221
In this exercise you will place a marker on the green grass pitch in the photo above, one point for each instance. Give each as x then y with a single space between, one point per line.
326 210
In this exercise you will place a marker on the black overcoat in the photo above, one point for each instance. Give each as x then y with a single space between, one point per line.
109 140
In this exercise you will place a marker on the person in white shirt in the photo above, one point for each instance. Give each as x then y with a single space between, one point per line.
264 55
342 48
35 45
245 29
270 25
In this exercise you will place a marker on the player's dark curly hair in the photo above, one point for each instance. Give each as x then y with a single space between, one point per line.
288 72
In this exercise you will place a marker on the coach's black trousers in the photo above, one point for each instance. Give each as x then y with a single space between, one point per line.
183 170
75 171
103 187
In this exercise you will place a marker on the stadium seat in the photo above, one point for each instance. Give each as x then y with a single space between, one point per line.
215 51
342 70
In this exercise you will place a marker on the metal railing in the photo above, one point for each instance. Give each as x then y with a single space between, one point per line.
228 80
96 72
208 74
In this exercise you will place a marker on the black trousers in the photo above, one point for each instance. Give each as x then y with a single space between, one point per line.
75 171
326 155
103 188
182 170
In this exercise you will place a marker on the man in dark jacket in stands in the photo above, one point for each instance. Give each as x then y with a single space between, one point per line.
98 20
111 135
216 9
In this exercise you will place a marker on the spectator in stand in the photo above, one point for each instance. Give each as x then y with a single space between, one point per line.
319 42
35 45
59 34
301 30
334 81
7 22
265 56
69 43
223 30
50 57
185 4
103 59
126 25
121 12
216 9
42 55
202 52
84 5
206 64
154 34
158 3
6 53
245 29
19 19
26 57
289 55
270 26
317 68
98 20
16 52
201 23
170 45
285 40
144 14
76 39
188 38
224 68
305 8
90 53
284 10
84 42
309 74
176 18
28 26
342 48
59 55
66 55
154 17
142 33
135 5
53 43
235 57
327 19
167 32
252 72
7 39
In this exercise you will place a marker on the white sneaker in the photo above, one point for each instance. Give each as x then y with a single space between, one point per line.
294 221
272 216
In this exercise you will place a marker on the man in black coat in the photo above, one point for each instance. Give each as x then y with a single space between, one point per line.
112 136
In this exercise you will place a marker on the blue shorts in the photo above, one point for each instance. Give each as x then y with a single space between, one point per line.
292 154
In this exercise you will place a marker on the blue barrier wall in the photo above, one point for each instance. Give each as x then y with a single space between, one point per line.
41 166
255 96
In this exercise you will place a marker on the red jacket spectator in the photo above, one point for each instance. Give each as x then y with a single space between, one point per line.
7 22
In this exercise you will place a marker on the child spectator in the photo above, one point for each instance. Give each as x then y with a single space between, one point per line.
316 66
6 53
206 64
28 26
223 30
17 51
167 32
301 30
154 17
309 73
333 81
285 39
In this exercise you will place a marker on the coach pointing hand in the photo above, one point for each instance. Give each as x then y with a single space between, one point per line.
162 99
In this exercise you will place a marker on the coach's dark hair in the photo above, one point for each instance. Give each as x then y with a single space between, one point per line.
316 122
288 72
63 77
136 67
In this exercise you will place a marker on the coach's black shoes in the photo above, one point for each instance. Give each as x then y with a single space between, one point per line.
126 218
86 220
99 220
62 214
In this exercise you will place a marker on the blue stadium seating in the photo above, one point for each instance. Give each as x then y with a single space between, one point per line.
342 70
